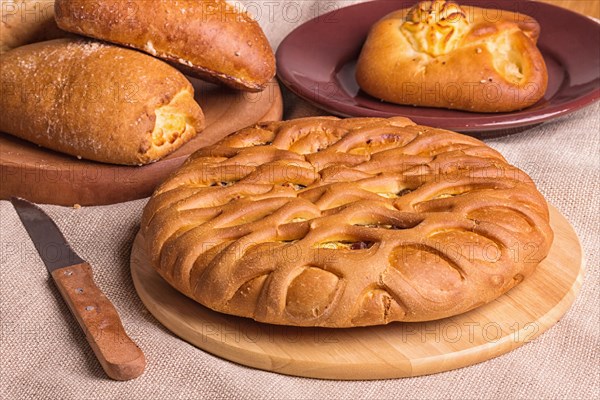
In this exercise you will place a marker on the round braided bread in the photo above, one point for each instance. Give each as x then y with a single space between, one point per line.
346 222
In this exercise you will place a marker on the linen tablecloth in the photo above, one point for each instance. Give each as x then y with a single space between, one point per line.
44 354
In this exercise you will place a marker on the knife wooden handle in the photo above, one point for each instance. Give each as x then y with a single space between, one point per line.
120 357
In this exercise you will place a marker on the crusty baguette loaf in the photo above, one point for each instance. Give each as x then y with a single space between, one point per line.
27 21
341 223
439 54
208 39
96 101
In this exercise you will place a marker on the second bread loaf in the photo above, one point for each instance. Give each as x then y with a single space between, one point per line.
208 39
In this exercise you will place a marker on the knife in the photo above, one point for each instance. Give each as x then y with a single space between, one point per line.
119 356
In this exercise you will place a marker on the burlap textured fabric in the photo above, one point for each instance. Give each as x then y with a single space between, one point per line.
43 353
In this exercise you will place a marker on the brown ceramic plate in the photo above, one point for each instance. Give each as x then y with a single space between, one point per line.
317 62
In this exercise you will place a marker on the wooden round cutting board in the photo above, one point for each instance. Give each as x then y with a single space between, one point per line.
45 176
391 351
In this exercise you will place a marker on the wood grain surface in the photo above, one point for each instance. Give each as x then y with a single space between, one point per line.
119 356
391 351
591 8
45 176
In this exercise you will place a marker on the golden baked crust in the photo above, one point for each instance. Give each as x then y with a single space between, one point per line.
96 101
208 39
438 54
27 21
340 223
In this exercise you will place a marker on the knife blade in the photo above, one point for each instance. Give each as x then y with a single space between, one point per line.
119 356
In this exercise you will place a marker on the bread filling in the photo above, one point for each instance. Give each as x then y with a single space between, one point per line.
435 27
389 195
172 120
344 245
507 60
378 226
295 186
